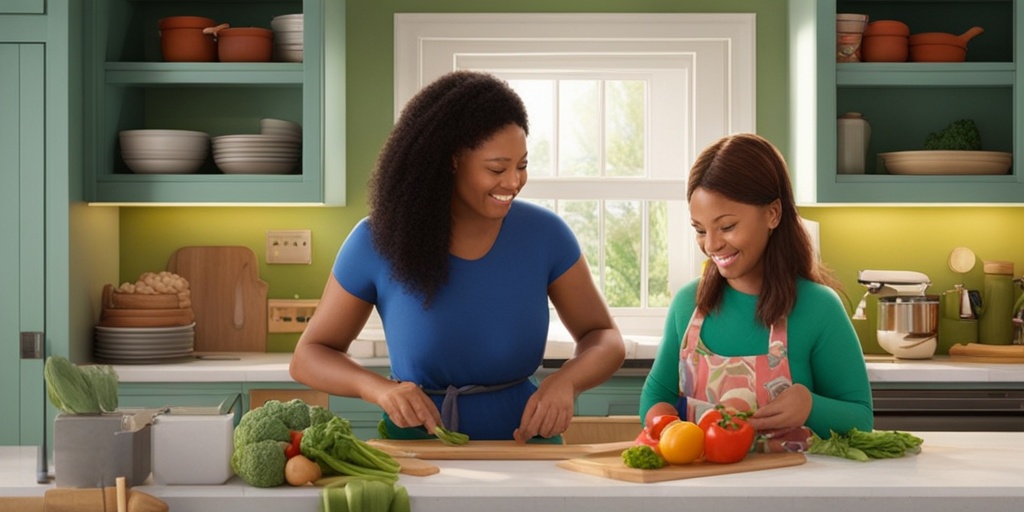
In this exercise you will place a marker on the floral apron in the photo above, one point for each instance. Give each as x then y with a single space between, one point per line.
742 383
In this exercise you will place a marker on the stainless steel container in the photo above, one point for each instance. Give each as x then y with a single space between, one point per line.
915 315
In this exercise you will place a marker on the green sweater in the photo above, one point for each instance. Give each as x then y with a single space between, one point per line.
824 352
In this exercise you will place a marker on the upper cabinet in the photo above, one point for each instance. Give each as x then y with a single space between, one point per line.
129 87
904 102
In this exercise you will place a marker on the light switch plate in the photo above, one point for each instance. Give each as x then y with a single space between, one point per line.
293 246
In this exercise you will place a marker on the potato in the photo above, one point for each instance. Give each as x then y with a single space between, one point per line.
299 470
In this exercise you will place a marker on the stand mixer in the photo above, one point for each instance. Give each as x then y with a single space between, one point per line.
907 317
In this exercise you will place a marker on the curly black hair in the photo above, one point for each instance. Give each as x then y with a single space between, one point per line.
411 187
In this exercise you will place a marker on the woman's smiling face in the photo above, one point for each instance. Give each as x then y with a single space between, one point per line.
734 235
488 178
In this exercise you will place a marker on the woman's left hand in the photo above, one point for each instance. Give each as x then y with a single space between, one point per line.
549 411
789 410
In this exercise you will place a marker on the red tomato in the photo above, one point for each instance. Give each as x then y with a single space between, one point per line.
645 438
727 437
658 424
293 448
658 409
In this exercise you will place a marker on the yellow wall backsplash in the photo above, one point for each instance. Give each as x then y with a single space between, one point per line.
852 239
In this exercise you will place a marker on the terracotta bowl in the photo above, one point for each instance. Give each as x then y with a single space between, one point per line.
182 39
245 44
884 48
937 53
940 46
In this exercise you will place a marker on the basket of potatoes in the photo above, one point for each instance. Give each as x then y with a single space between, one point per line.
156 299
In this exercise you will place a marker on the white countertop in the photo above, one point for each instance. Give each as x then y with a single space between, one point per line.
273 367
955 471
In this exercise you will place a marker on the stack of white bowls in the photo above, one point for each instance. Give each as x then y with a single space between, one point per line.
164 151
287 37
275 150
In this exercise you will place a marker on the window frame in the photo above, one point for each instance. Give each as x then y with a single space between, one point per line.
718 46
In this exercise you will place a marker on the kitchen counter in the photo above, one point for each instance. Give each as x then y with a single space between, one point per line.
273 367
955 471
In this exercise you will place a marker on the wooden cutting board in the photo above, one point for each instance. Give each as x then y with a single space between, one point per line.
609 465
228 298
433 449
410 465
980 353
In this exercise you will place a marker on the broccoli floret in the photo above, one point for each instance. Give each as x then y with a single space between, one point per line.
295 414
318 415
260 464
962 134
259 425
642 457
272 422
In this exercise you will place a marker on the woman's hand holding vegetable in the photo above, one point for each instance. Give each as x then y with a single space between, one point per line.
549 410
408 406
789 410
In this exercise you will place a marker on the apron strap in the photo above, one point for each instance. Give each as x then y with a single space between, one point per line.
450 404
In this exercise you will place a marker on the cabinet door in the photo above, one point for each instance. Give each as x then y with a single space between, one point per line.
21 222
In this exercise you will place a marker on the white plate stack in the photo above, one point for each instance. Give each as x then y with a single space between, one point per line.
276 150
143 345
287 37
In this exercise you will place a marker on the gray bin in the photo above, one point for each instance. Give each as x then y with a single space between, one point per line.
92 450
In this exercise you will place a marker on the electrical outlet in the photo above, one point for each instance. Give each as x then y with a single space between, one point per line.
290 247
286 315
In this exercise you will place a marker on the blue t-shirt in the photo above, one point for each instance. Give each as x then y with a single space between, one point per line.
487 326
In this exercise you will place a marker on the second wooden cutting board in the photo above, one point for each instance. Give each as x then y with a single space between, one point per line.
433 449
228 298
610 465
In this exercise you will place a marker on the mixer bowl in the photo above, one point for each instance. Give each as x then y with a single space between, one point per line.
905 346
907 325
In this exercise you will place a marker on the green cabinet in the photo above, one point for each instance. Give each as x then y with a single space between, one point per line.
618 396
905 102
130 87
362 415
21 212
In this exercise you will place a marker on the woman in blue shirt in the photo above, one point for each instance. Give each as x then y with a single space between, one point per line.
461 275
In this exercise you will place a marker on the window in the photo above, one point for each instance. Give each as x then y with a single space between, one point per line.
620 105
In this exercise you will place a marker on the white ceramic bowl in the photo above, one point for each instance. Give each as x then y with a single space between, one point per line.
283 38
269 123
164 165
284 55
164 140
287 22
904 347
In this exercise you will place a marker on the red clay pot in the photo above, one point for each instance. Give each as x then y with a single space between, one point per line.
182 39
884 49
887 28
245 44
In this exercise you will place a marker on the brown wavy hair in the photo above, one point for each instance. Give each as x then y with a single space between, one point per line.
747 168
410 191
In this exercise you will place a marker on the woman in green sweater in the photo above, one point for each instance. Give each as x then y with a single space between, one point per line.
762 329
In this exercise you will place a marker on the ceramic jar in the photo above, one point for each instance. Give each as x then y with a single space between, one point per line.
854 134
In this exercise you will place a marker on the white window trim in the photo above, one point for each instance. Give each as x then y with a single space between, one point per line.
428 45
